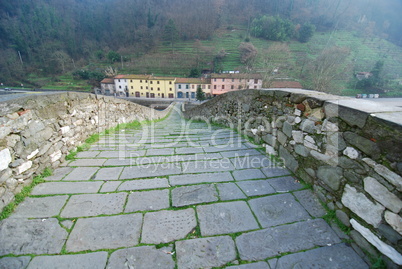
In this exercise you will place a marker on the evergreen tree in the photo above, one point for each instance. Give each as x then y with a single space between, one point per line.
306 32
170 34
200 95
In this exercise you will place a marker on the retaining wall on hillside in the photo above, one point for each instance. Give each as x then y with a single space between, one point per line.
349 150
39 131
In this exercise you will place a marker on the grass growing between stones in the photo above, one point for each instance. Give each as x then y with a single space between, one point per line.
331 217
25 192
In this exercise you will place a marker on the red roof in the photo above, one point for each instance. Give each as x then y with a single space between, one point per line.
108 81
286 84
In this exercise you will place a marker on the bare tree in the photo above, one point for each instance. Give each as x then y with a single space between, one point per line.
248 54
329 66
275 61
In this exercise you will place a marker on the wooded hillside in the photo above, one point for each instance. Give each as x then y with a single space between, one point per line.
49 37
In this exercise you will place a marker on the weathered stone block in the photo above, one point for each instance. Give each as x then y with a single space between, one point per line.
287 129
385 249
382 195
367 146
297 136
205 252
362 206
394 220
308 126
290 162
383 171
5 158
351 153
23 167
331 176
309 142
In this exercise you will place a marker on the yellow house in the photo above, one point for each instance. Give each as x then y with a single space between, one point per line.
147 86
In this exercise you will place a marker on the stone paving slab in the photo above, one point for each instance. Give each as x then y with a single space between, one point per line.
200 178
285 184
220 165
262 244
275 171
153 170
81 174
87 154
119 162
225 218
85 205
59 173
160 152
87 162
278 209
255 265
105 233
110 173
167 226
310 202
146 257
147 200
110 186
337 256
205 252
144 184
95 260
221 148
240 153
36 236
14 262
256 187
44 207
191 195
247 162
230 191
248 174
66 188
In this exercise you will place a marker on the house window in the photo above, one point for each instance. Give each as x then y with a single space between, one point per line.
223 80
137 94
223 87
152 82
119 80
157 82
147 94
132 87
146 87
152 88
255 81
209 87
142 88
159 89
232 87
119 87
179 86
214 87
192 86
170 84
171 95
187 87
131 80
141 81
214 80
170 89
232 79
255 87
146 81
152 95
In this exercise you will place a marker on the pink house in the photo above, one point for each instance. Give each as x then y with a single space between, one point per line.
222 83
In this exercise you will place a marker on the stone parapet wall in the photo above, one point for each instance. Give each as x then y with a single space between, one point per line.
349 150
39 131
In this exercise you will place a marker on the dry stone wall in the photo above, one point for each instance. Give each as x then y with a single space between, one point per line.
38 132
349 150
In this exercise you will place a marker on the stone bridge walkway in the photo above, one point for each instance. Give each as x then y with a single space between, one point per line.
187 196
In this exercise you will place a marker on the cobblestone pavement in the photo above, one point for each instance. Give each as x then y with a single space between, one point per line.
176 194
